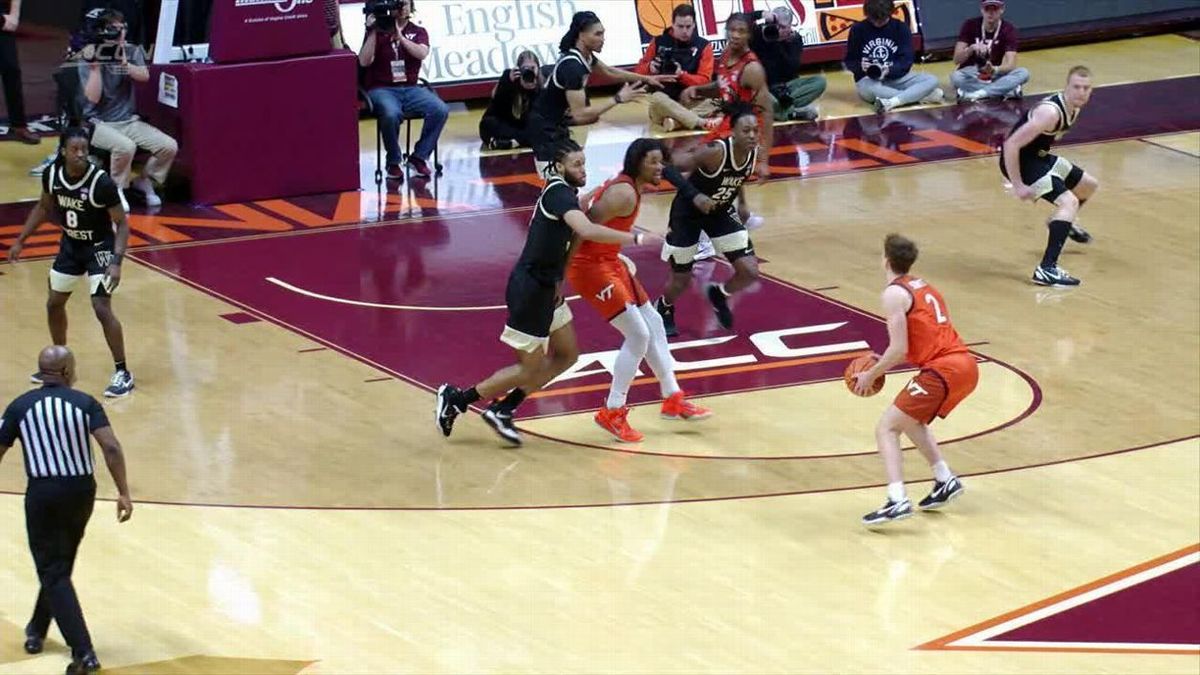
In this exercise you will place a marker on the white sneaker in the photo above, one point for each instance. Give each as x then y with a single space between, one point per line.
935 96
705 248
973 96
754 222
144 186
884 105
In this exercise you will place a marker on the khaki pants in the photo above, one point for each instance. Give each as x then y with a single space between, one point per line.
122 139
662 106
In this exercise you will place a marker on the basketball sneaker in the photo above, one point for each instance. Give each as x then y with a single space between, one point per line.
1080 235
720 305
889 512
1053 276
941 494
677 407
444 411
667 312
935 96
615 422
120 385
501 422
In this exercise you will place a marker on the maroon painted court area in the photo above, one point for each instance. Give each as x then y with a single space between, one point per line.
1162 610
435 291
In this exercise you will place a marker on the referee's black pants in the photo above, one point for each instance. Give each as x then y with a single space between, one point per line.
56 513
10 74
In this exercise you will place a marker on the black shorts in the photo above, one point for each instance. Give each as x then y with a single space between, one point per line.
723 226
534 312
1048 175
77 260
545 135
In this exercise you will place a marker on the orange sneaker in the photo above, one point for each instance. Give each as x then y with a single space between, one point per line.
677 407
613 421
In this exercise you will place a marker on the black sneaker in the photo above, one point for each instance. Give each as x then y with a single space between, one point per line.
1080 235
501 422
36 378
444 412
720 305
889 512
502 144
88 663
667 312
941 494
34 644
120 385
1053 276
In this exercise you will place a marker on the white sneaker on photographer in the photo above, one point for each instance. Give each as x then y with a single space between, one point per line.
144 186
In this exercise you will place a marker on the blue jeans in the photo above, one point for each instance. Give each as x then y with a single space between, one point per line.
393 104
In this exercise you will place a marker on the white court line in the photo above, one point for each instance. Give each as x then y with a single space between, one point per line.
362 303
983 637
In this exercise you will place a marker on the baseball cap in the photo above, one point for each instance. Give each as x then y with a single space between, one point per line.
992 3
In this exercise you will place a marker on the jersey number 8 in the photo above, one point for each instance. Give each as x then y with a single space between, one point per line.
72 219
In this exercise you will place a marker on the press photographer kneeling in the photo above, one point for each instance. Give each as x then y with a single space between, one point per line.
505 122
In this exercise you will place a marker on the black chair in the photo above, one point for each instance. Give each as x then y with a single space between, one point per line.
365 105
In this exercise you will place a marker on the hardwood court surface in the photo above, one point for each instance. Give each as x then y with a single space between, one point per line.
298 511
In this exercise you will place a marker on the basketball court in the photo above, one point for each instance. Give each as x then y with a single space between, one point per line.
297 511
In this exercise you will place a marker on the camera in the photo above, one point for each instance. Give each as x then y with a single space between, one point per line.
382 11
529 74
669 63
874 71
771 21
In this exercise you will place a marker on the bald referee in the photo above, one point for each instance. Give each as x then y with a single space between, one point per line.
53 423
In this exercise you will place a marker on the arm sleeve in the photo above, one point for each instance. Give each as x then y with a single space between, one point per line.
560 200
8 427
904 55
96 417
643 66
106 192
853 60
704 73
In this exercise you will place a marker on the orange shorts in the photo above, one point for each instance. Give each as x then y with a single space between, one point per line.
606 285
940 386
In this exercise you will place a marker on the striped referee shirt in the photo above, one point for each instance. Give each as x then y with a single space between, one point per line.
54 424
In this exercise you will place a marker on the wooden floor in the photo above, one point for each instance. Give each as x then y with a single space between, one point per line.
310 518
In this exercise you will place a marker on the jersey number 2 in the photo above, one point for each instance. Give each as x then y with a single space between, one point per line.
72 220
937 309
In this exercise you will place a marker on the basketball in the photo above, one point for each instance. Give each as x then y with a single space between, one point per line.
859 365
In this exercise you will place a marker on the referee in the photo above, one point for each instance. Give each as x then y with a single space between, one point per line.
53 423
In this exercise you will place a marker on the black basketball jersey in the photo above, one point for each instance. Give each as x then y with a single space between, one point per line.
722 186
83 203
545 254
1041 145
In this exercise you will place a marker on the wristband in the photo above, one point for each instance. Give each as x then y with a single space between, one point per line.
637 238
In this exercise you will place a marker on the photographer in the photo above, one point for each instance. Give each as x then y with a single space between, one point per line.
679 51
108 72
880 55
986 56
563 103
779 48
391 54
504 122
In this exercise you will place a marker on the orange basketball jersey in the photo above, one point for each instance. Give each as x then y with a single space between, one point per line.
729 79
930 333
594 251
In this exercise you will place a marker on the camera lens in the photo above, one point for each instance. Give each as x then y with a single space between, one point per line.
770 32
529 75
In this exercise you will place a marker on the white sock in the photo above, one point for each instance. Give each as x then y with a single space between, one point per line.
633 349
941 472
896 492
658 355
